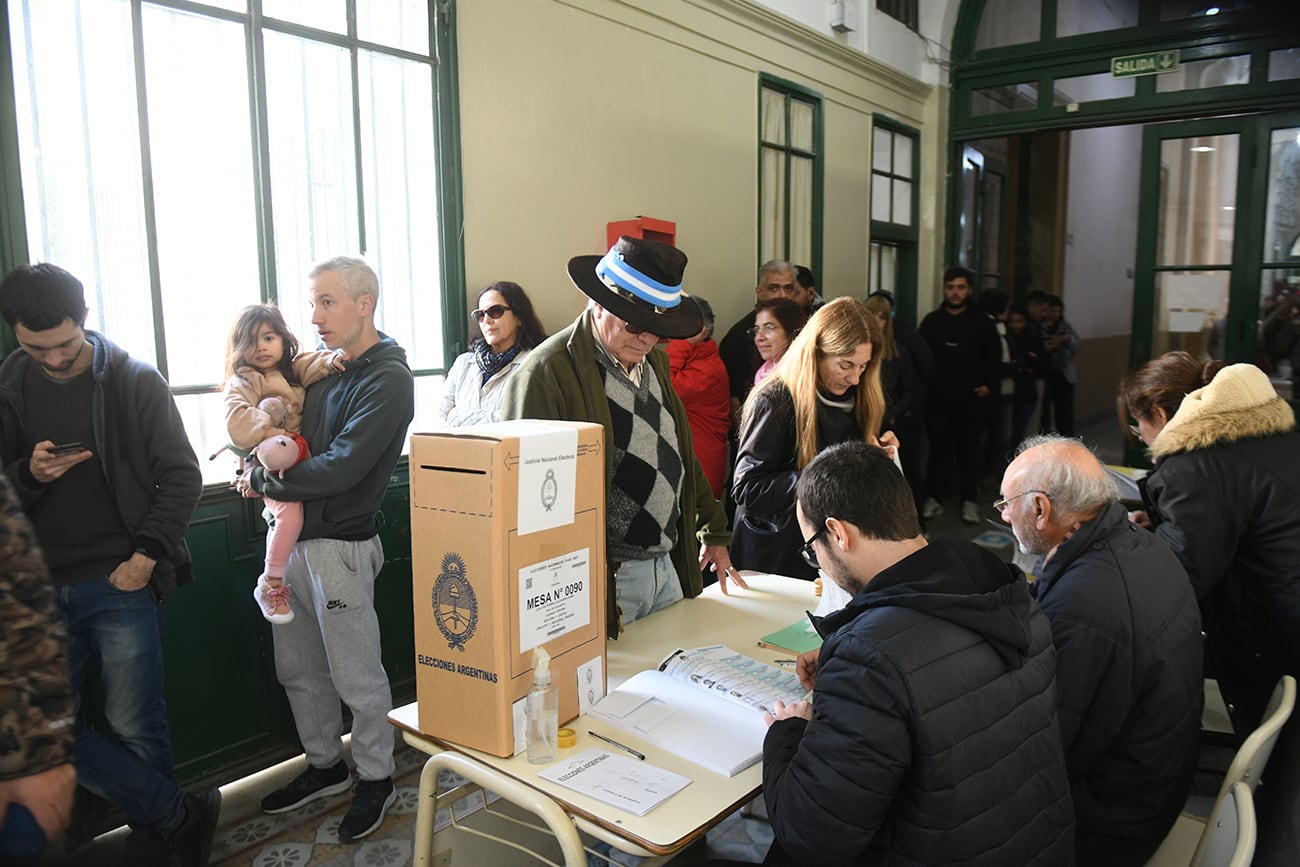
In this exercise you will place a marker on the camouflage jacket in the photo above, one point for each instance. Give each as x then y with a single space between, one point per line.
36 702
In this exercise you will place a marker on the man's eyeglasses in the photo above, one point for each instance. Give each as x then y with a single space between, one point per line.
999 505
495 312
766 328
806 551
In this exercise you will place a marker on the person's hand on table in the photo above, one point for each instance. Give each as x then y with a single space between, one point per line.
806 667
795 709
718 561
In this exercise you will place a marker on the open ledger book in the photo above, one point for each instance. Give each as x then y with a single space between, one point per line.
705 705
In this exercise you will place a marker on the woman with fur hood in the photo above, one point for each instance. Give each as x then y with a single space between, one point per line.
1225 496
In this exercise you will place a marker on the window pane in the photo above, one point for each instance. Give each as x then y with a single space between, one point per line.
1008 22
1206 73
884 268
1089 88
1187 305
313 166
328 15
773 206
79 150
398 23
202 155
903 155
903 202
801 206
801 125
881 198
204 416
1008 97
773 109
1282 214
1284 64
401 194
882 147
1088 16
1197 200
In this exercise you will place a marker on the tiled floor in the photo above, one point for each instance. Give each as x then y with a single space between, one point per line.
308 837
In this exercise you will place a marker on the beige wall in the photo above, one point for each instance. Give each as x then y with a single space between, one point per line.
578 112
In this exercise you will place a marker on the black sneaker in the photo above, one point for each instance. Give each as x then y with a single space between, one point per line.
372 800
191 843
311 784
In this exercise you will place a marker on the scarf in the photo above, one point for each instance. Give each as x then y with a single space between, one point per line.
491 362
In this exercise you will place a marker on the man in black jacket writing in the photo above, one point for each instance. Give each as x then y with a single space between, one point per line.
931 737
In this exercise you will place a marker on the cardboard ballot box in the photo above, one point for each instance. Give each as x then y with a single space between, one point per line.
508 553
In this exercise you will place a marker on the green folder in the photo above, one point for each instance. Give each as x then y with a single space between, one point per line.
796 638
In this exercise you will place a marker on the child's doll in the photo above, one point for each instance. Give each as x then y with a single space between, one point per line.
267 379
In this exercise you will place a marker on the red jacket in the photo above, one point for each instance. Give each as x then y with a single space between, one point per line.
700 380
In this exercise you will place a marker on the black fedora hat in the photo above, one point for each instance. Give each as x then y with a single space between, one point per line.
640 282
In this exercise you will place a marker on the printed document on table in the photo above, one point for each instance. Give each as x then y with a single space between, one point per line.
705 705
628 784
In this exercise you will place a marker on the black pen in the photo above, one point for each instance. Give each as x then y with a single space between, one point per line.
613 743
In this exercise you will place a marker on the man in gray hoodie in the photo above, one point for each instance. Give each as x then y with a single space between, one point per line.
355 424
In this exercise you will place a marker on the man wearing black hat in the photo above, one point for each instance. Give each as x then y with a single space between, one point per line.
604 368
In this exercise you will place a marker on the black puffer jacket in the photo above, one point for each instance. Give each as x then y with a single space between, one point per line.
1225 496
766 535
934 737
1129 686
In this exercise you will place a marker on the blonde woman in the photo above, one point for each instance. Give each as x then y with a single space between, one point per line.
825 391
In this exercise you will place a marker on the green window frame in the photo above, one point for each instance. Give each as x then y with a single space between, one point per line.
346 141
895 198
790 173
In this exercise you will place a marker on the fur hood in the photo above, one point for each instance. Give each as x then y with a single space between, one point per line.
1238 404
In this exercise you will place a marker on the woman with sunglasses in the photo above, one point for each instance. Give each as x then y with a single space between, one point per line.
475 384
1225 496
825 391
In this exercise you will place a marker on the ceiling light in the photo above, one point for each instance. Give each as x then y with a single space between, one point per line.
1201 149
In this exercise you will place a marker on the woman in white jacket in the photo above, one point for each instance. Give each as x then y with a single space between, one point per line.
476 382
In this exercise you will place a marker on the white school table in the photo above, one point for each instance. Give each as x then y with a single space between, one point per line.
738 621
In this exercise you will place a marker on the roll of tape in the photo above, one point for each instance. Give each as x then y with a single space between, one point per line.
566 737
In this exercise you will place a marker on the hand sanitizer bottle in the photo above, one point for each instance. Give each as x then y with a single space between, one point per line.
542 710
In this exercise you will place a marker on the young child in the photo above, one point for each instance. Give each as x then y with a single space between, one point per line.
267 379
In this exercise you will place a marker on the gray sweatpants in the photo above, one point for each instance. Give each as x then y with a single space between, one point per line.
330 652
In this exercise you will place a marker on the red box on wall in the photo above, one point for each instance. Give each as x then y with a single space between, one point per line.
648 228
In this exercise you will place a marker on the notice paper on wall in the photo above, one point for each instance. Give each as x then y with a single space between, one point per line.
554 598
548 477
628 784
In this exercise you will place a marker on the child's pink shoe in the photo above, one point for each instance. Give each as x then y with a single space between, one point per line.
273 601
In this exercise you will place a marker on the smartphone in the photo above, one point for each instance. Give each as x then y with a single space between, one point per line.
67 449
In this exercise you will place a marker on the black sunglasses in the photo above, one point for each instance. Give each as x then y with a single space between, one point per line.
806 550
495 312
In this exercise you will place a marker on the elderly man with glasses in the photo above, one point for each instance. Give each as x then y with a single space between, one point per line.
931 737
663 523
1128 648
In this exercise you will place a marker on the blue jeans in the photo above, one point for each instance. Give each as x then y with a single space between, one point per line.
645 586
122 632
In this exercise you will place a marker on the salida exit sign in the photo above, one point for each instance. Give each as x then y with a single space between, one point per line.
1151 63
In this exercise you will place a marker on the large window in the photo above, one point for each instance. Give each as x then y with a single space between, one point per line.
895 166
790 167
185 160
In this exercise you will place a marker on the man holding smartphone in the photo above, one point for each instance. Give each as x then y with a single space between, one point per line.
113 531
